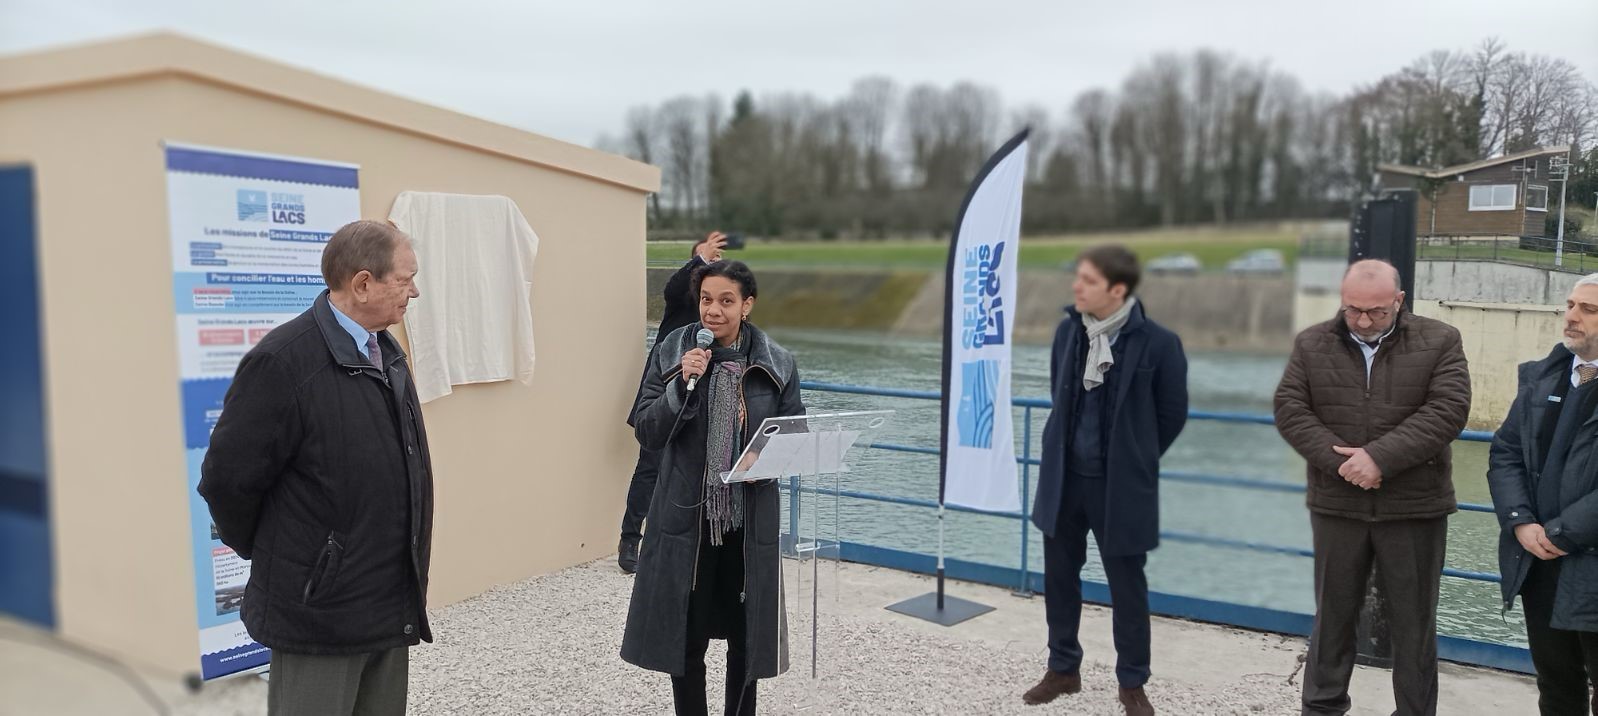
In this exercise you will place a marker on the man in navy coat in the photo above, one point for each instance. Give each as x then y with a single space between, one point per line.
1119 382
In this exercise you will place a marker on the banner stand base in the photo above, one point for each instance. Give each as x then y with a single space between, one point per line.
955 609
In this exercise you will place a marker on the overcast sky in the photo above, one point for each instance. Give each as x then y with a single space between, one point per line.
571 69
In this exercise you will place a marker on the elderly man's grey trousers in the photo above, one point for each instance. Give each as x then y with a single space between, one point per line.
373 684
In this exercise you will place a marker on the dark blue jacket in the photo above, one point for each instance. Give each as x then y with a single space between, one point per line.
1146 411
1514 473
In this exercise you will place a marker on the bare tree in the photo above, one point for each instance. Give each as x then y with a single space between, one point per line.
1091 114
869 111
641 141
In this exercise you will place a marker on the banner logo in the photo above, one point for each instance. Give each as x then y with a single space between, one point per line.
252 205
983 307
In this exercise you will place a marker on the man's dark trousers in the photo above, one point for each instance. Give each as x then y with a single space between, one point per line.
1564 660
1063 557
639 493
1409 557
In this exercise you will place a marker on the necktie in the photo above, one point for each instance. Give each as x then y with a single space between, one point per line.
1587 371
375 353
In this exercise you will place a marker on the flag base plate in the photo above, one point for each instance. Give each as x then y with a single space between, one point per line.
954 611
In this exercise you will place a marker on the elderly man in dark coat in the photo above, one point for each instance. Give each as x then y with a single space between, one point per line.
1120 399
318 473
1545 492
1372 399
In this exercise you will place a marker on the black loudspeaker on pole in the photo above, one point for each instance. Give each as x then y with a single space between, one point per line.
1384 228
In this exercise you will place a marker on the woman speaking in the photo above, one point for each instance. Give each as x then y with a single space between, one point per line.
708 565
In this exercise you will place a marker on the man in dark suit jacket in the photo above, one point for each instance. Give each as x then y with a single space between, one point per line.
318 472
681 309
1545 492
1120 399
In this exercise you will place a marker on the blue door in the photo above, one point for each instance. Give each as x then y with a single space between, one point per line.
27 581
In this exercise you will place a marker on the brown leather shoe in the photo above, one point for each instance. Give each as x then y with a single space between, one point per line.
1054 684
1136 702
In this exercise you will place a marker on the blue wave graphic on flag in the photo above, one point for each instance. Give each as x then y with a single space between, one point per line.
979 380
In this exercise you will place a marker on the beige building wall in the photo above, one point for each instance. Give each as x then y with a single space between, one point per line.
529 479
1498 337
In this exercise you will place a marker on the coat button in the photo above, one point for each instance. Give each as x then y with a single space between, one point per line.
1514 514
409 629
410 450
1554 531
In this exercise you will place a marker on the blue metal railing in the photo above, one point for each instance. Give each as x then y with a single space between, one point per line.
1465 650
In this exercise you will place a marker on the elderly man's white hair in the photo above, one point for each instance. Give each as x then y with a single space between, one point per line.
1588 280
1377 268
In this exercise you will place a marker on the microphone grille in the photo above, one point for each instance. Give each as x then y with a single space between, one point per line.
704 338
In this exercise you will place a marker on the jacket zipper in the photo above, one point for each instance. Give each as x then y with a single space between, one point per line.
321 566
1365 409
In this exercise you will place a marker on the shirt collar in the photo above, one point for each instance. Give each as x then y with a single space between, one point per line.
356 330
1379 338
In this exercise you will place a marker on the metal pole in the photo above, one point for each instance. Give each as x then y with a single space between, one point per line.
815 563
1026 487
1561 233
940 556
793 513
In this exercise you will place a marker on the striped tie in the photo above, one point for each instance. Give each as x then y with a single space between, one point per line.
1587 371
375 354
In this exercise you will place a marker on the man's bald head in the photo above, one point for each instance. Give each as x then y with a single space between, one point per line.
1372 271
1372 295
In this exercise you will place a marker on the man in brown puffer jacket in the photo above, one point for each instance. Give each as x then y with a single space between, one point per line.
1372 399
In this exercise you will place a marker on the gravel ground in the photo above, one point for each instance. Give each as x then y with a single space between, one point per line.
549 646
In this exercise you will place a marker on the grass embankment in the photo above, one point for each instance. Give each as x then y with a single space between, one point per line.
1212 247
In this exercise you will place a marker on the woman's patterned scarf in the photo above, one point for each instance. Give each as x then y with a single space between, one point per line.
724 411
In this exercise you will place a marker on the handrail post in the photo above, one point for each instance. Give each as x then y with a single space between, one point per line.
1025 588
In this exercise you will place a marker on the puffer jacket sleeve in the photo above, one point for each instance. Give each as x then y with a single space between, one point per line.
1437 423
1295 414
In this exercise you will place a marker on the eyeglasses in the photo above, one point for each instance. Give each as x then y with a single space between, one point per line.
1375 314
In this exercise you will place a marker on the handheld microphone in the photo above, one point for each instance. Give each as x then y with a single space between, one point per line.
704 338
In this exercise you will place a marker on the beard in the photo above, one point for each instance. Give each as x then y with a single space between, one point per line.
1584 346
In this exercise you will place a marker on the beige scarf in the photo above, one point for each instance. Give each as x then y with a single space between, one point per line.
1099 332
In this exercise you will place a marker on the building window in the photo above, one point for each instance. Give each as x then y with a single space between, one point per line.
1492 197
1536 197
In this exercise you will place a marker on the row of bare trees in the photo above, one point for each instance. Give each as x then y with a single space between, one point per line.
1200 137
